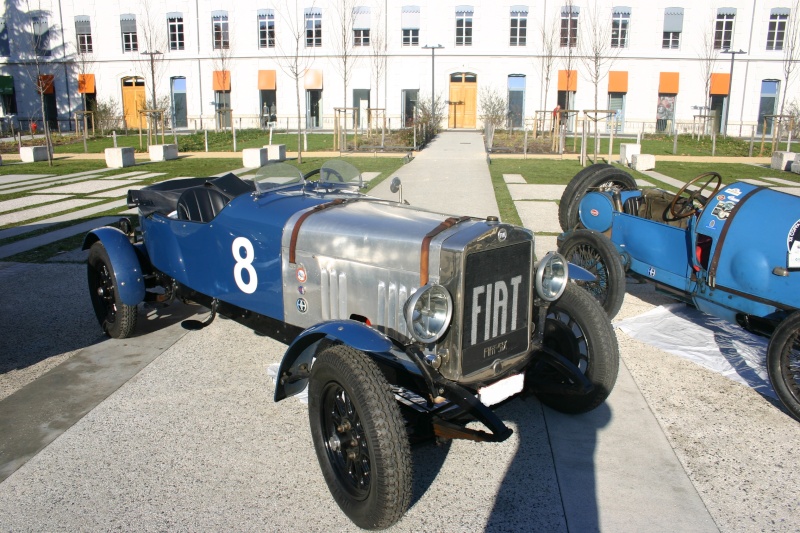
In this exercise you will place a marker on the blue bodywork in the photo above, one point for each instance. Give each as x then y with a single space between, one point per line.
737 257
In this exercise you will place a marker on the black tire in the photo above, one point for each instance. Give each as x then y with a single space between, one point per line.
594 252
117 319
591 178
351 405
577 328
783 363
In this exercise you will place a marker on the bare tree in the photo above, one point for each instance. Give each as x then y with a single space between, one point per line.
596 52
708 56
292 60
343 42
222 60
154 40
494 107
378 57
791 50
547 58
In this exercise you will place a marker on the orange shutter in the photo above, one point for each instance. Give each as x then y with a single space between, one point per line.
46 84
222 80
313 79
618 81
86 83
668 83
266 80
568 80
720 84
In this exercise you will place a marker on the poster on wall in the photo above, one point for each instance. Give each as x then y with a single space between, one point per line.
665 112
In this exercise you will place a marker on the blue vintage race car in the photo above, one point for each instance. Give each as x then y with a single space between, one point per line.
732 251
403 323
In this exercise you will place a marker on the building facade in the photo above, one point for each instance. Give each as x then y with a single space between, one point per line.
654 65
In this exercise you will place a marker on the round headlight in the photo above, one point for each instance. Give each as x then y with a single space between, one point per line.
428 312
551 276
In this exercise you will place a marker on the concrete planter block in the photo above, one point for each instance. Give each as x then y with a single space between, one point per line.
163 152
796 166
31 154
276 152
643 162
120 157
627 151
254 157
782 160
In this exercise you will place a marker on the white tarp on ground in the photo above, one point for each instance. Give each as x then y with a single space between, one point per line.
708 341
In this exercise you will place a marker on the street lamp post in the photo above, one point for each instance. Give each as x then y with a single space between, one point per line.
730 86
433 78
151 57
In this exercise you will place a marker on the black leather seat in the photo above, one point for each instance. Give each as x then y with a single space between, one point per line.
201 204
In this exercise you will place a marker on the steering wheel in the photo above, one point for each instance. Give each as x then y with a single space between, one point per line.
687 209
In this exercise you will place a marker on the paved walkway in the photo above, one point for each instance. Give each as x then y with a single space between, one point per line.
193 439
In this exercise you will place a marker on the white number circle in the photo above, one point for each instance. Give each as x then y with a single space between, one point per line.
244 263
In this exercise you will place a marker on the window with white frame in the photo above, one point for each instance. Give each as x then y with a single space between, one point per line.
361 23
776 31
83 34
620 25
266 28
220 30
127 24
518 33
409 23
673 27
569 26
313 27
723 28
41 35
175 31
464 25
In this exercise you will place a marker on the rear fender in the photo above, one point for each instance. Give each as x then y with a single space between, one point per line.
295 367
124 260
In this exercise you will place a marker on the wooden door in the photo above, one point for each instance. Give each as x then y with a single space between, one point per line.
133 100
463 102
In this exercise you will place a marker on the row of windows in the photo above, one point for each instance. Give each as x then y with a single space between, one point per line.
410 21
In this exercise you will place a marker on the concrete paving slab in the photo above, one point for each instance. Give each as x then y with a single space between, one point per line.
789 190
116 193
782 181
643 183
535 192
53 236
89 187
27 201
139 177
17 178
544 244
540 217
37 212
73 215
42 185
514 178
664 179
760 183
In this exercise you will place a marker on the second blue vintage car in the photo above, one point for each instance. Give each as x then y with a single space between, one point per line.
404 324
732 251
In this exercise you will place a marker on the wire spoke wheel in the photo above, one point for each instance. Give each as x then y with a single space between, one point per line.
116 318
783 362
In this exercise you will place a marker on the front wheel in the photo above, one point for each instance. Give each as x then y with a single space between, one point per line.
783 363
117 319
594 252
577 328
359 436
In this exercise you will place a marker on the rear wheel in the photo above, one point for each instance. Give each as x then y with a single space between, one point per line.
359 437
577 328
117 319
606 178
598 255
783 363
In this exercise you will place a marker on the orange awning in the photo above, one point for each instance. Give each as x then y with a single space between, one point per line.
46 84
266 80
719 84
222 80
568 80
313 79
618 81
668 83
86 83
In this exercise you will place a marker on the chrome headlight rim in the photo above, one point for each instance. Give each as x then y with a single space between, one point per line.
425 295
555 267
